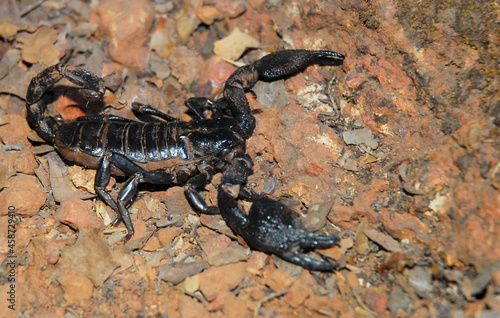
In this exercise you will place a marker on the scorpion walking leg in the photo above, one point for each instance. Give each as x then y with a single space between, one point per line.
148 110
129 190
197 104
194 197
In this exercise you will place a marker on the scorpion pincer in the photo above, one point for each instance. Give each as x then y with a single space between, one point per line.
171 152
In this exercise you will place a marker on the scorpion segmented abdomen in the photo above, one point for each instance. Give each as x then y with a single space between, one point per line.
81 136
148 142
113 137
136 141
170 145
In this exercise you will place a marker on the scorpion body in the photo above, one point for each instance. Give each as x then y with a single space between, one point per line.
172 152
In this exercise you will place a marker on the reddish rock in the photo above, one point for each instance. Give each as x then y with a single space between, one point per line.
127 24
191 308
216 242
235 306
377 301
79 214
168 235
300 290
22 161
186 64
216 71
405 225
152 244
15 130
219 279
48 251
257 260
277 279
77 287
24 194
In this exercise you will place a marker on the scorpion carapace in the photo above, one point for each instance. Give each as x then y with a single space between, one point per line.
173 152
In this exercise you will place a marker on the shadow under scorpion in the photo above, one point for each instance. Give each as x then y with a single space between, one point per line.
171 152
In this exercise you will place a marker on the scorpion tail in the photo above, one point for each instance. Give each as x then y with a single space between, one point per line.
35 105
286 63
271 67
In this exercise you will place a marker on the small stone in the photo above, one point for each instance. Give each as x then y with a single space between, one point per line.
152 244
219 279
15 130
77 287
78 214
168 235
360 136
420 279
25 194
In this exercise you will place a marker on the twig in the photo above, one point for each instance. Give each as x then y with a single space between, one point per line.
29 9
268 298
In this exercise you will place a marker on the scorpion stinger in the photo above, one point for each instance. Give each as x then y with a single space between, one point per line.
172 152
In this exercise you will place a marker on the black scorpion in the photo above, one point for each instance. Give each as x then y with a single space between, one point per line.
172 152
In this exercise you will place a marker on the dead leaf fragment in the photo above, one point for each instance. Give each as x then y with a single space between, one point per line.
361 243
360 136
192 284
218 10
186 20
383 240
233 46
89 256
62 187
40 48
227 256
176 274
8 30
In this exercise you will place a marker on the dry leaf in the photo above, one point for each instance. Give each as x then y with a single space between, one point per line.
90 256
40 48
233 46
361 243
186 20
383 240
8 30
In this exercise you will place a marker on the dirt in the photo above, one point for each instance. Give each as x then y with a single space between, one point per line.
397 152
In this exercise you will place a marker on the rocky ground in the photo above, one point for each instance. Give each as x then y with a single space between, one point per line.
397 152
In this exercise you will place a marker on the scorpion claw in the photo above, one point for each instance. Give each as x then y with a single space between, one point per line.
307 262
273 228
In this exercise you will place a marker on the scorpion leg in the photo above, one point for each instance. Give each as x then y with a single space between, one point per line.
197 104
102 177
270 226
195 198
148 110
129 190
